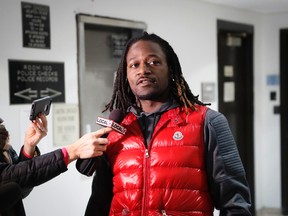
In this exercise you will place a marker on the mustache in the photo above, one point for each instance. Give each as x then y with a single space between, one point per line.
145 78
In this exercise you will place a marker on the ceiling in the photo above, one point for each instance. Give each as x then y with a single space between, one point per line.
260 6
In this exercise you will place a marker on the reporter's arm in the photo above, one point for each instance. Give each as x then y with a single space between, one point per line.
38 170
88 146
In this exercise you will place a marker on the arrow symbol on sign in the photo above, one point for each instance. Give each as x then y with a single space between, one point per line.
49 92
27 94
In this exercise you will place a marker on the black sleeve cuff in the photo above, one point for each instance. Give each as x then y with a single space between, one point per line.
22 156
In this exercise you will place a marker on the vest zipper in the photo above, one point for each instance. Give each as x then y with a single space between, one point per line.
146 153
145 182
164 213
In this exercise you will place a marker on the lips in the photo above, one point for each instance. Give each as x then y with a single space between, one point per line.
145 81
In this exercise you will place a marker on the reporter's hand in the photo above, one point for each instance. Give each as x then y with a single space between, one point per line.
35 132
89 145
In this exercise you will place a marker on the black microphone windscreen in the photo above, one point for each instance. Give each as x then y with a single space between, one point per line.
116 115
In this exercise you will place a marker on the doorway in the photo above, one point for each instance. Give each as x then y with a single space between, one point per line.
101 41
235 89
284 117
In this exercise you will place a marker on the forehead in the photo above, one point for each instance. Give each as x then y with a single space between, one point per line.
147 47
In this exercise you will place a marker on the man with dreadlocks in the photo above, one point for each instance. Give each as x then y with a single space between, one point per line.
177 157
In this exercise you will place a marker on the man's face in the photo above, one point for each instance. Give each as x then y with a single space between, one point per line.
147 71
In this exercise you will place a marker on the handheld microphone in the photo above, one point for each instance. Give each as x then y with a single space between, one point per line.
112 124
88 166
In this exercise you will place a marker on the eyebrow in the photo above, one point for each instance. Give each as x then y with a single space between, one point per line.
149 56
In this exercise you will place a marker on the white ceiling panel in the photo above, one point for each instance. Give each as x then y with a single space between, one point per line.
260 6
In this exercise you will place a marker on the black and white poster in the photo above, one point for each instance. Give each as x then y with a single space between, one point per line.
36 25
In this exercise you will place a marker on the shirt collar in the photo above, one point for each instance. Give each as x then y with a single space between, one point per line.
170 104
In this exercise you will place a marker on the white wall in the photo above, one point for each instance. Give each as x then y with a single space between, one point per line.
190 27
267 137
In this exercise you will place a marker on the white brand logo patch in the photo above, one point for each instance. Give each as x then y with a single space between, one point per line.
178 135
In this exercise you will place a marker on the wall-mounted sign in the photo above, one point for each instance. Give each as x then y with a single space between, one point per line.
228 71
118 44
36 25
208 92
273 80
229 92
65 124
31 79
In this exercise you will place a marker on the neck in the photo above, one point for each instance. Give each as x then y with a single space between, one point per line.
150 106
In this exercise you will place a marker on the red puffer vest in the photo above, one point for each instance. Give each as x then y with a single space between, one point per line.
169 177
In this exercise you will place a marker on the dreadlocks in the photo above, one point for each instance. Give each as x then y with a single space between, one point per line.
123 97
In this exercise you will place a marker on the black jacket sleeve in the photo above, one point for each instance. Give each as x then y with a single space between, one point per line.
22 157
226 175
11 200
33 172
102 189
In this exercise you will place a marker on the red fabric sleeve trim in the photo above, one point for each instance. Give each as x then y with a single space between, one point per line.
26 155
65 156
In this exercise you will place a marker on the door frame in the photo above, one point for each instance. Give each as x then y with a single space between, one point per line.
284 117
82 21
224 25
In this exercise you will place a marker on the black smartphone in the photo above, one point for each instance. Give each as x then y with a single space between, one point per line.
41 105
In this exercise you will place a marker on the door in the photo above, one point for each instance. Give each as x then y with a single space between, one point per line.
100 44
284 117
235 88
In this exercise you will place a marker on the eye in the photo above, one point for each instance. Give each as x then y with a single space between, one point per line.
154 62
133 65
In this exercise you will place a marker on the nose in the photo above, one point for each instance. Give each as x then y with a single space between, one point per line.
144 68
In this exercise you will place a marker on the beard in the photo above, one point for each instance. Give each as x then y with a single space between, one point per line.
153 96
